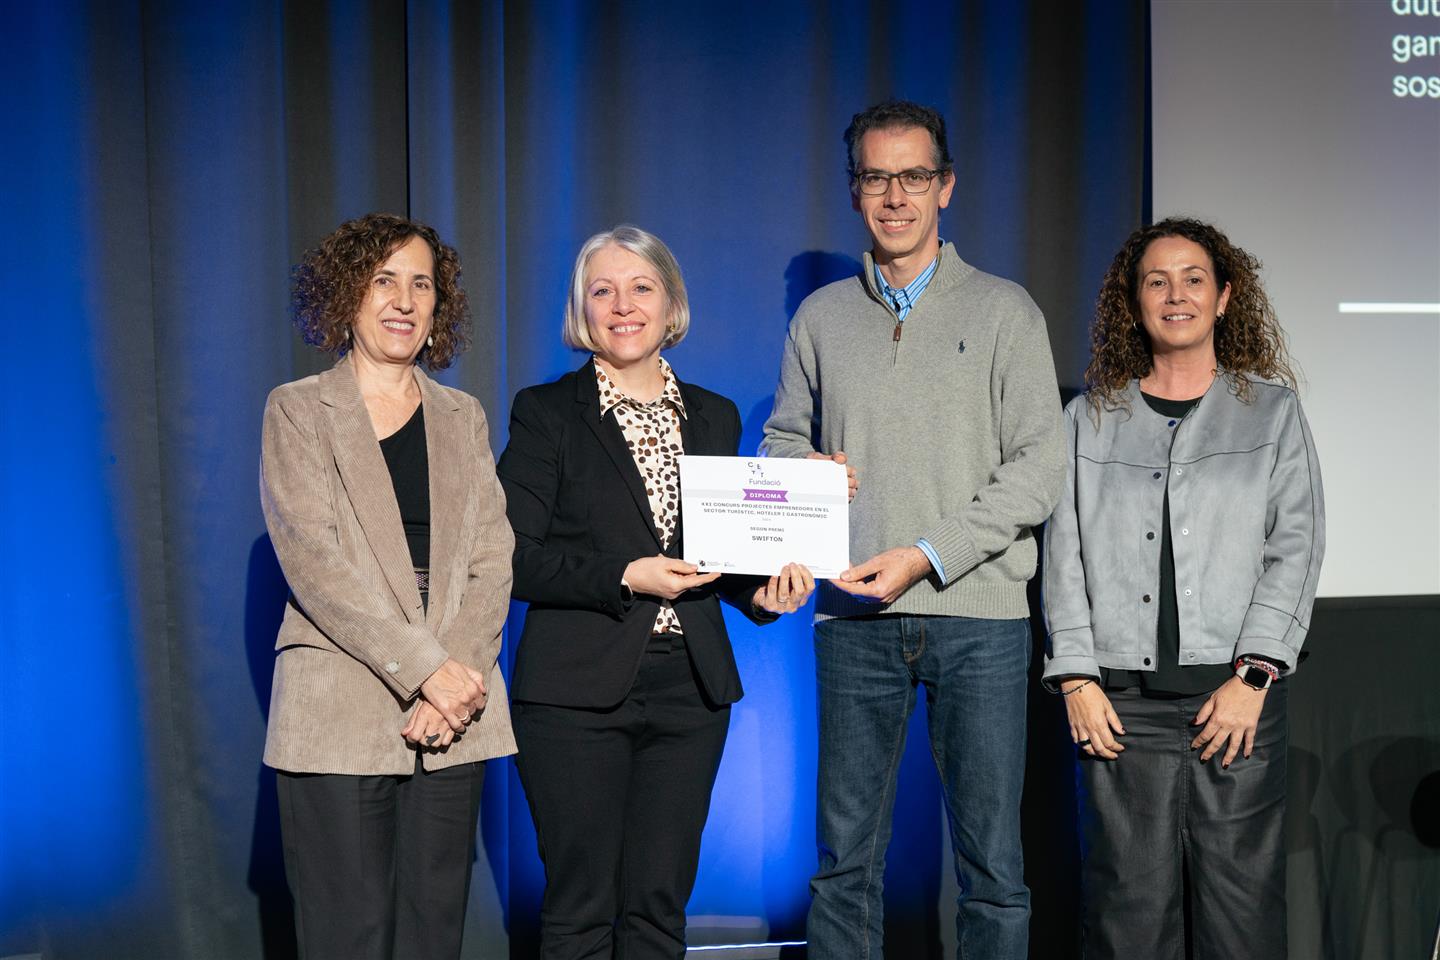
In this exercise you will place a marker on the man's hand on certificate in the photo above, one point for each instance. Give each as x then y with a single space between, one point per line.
886 575
839 457
665 577
787 591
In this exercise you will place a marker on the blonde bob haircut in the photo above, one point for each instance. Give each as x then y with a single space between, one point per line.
653 251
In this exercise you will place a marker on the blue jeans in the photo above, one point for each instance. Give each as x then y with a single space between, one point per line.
975 677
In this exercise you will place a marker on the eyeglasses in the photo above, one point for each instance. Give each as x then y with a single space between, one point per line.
873 183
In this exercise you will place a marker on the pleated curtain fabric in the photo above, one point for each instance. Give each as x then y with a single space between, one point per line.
166 165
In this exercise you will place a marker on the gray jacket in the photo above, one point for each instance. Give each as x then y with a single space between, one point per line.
1247 521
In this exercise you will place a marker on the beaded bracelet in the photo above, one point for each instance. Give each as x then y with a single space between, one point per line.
1260 664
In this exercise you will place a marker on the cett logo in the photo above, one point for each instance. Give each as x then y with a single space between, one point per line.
757 475
757 479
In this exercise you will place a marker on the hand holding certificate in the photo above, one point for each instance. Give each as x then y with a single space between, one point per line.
755 514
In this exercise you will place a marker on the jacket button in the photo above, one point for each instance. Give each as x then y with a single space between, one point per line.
1184 531
1179 472
1150 535
1146 598
1172 423
1155 475
392 667
1187 591
1146 661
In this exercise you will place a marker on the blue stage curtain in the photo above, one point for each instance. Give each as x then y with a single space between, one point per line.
166 164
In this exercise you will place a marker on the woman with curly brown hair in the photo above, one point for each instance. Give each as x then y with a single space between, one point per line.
380 496
1180 571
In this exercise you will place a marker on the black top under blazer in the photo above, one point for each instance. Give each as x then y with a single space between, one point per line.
578 506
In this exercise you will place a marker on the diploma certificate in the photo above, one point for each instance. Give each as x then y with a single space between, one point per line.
756 514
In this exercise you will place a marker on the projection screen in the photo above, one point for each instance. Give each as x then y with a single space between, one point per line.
1310 133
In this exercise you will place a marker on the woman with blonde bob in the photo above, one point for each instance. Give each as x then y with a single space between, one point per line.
1179 574
624 675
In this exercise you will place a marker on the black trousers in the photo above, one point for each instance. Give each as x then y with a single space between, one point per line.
619 798
379 866
1157 821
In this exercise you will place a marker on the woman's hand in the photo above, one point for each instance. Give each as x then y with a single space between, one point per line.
457 691
787 591
850 475
1230 715
1093 721
428 728
665 577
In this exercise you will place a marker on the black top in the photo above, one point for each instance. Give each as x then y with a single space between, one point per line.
409 463
1169 678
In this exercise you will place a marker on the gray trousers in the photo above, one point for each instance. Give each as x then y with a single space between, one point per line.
1157 824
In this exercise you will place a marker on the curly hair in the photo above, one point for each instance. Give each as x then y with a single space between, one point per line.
1248 340
330 283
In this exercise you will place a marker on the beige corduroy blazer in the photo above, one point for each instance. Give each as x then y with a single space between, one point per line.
356 643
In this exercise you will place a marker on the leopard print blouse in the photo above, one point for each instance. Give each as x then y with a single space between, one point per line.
652 432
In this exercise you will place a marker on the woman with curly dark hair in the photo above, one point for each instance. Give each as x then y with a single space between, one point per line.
381 499
1180 570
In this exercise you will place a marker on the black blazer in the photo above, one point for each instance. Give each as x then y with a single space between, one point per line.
578 507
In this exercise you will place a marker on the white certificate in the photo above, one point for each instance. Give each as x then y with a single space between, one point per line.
756 514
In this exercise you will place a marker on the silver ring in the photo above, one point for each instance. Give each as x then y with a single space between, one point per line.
432 738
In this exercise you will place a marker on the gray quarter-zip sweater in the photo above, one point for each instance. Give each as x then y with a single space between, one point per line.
953 429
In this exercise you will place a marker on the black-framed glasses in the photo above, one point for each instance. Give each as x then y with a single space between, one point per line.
874 183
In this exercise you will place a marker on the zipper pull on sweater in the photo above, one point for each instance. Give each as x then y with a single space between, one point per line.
896 337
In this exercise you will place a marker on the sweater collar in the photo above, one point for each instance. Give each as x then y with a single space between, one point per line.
950 271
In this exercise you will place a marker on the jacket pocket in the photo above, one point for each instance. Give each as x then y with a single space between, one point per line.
296 630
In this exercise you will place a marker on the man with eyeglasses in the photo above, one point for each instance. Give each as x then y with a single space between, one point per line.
933 382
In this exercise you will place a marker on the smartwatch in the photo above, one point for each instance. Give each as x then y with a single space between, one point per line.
1253 676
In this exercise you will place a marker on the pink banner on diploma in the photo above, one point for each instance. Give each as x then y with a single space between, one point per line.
771 496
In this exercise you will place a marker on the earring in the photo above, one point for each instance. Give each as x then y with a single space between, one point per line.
1219 318
430 341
